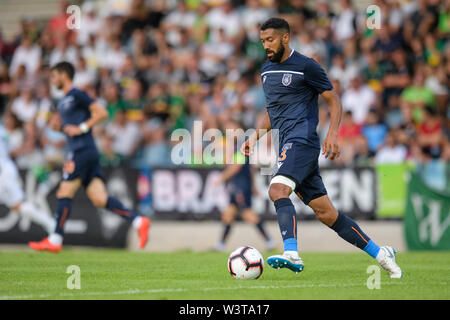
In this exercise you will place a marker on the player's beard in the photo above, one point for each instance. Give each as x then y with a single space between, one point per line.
59 85
276 57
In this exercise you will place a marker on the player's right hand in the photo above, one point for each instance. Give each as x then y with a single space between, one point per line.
247 147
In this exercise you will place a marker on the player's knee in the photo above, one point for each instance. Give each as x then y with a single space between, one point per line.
63 193
326 215
227 218
250 217
278 191
99 201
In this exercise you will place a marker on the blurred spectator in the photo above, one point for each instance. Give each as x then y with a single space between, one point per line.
359 98
429 133
344 24
343 71
416 96
114 103
353 143
16 136
374 131
391 151
28 55
122 139
24 106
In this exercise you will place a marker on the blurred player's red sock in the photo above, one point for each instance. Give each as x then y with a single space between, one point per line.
142 224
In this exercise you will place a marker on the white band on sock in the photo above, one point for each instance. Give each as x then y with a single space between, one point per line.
55 239
136 222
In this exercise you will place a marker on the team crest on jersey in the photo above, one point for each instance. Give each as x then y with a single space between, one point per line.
66 102
287 78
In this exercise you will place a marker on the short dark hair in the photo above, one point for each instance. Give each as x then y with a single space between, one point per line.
65 67
276 23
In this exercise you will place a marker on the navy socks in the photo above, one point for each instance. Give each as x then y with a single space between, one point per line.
287 220
348 230
63 208
114 205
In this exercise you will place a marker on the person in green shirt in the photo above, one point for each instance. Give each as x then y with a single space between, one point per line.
417 96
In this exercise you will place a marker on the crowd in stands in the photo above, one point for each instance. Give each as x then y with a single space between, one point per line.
159 65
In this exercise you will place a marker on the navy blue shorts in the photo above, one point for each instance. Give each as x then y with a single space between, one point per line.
83 164
240 196
299 162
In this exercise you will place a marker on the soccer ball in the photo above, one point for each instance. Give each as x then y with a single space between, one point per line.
245 263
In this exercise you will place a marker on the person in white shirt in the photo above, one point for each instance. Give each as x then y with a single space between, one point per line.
359 99
226 18
391 151
11 192
123 136
344 25
25 106
91 22
63 52
26 54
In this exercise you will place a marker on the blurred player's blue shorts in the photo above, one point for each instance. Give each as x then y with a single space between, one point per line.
83 164
241 196
299 162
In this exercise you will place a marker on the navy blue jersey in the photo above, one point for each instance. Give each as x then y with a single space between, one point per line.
74 110
292 89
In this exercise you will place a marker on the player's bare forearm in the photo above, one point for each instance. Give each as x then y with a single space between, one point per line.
98 114
330 145
261 130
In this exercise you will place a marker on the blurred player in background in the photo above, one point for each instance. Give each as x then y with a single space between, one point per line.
238 177
11 193
292 84
79 113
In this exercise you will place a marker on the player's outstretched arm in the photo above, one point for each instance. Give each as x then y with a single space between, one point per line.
248 146
98 114
330 146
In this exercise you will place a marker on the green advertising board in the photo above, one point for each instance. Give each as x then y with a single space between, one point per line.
392 188
427 217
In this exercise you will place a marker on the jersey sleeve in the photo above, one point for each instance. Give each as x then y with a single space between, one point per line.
316 77
83 100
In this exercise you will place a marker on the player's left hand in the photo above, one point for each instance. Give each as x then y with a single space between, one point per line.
330 147
72 130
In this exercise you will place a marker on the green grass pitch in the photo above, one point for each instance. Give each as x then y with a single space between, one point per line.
120 274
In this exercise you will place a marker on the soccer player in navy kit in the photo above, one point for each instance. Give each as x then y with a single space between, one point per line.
238 177
292 83
79 113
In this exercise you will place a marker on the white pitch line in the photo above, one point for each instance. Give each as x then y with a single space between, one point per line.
169 290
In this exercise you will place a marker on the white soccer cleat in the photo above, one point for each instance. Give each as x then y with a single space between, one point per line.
286 260
388 263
